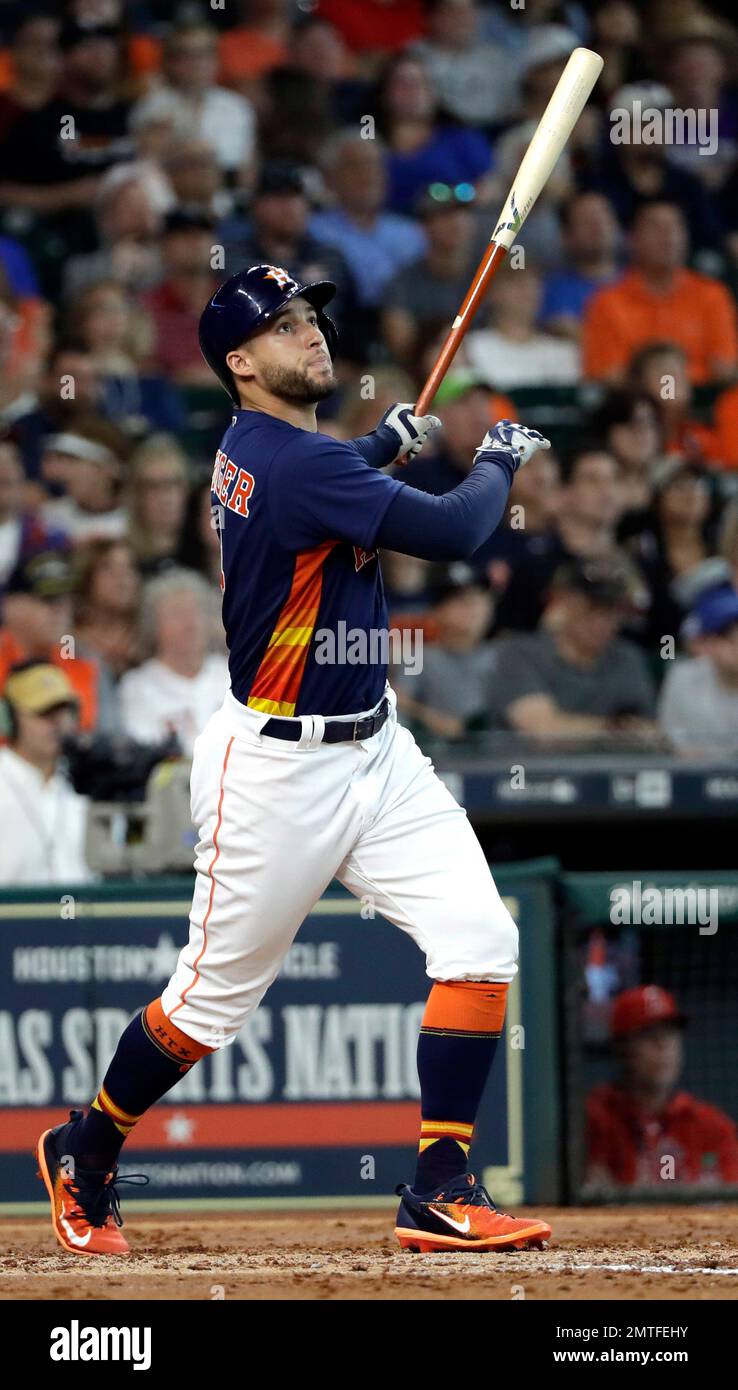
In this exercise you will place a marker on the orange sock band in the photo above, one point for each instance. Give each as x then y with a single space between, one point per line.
463 1007
170 1039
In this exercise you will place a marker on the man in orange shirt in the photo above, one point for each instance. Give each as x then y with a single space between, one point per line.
659 299
642 1131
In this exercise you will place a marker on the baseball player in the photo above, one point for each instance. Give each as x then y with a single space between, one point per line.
305 775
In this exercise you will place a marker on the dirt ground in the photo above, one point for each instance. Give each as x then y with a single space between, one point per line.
646 1253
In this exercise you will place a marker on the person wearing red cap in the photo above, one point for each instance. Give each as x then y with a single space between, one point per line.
641 1130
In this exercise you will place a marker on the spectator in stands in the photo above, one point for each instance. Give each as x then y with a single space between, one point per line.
590 505
580 523
317 53
176 303
521 556
196 182
200 107
699 55
181 684
115 332
509 350
44 820
421 147
658 298
158 501
673 540
449 693
475 81
22 532
36 62
276 233
88 462
90 94
37 625
660 369
631 173
107 593
128 224
641 1130
199 547
377 245
591 241
69 391
434 286
698 707
629 424
616 34
575 678
300 112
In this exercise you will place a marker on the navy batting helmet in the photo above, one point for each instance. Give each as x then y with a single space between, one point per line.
246 301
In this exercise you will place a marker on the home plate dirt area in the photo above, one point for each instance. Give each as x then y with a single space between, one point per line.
597 1253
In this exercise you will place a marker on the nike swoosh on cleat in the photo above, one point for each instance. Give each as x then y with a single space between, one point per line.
75 1239
461 1226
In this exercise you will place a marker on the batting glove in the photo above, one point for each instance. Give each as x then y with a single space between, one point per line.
410 430
516 440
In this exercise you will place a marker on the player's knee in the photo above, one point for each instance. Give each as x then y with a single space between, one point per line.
481 945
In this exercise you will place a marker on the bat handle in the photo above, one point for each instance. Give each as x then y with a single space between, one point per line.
441 366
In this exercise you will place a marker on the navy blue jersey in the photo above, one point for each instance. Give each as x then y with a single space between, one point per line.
298 514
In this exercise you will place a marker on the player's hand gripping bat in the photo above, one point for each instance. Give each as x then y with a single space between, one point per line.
554 128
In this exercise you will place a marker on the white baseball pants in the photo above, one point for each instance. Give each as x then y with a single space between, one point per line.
279 820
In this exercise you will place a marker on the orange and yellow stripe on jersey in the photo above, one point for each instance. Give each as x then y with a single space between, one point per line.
276 684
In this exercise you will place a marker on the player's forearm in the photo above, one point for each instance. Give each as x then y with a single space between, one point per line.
379 448
451 527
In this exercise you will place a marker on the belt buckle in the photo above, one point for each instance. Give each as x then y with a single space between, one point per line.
355 735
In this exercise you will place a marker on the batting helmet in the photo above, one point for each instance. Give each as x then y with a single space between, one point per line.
247 301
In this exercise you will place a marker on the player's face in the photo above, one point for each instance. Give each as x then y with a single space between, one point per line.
290 357
654 1058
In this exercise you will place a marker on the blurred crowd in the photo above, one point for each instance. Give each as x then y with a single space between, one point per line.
149 149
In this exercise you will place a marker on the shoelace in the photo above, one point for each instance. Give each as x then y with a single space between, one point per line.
459 1190
96 1201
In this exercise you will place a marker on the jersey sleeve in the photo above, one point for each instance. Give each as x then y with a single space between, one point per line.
322 489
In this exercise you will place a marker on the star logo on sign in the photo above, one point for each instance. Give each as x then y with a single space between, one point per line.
180 1129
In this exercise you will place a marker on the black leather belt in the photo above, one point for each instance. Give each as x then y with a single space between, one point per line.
336 730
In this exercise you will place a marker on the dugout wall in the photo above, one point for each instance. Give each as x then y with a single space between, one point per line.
317 1101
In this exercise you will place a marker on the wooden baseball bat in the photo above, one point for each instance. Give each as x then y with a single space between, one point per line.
553 131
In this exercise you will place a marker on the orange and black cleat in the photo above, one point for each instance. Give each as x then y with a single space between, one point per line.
85 1208
462 1216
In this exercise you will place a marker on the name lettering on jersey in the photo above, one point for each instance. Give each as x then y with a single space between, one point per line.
362 557
224 474
239 498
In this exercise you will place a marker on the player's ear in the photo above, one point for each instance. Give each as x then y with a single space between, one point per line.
241 364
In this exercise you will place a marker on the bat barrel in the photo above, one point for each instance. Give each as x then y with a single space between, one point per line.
553 131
